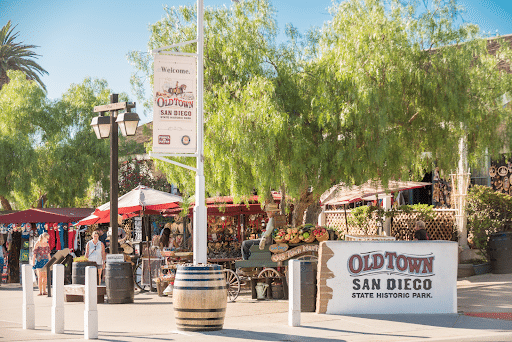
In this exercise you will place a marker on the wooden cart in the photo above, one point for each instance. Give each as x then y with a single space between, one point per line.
263 266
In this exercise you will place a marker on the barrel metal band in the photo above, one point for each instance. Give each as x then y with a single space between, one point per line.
200 268
199 288
199 319
200 273
199 327
200 310
188 279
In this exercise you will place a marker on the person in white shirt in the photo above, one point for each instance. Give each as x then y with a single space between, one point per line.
95 251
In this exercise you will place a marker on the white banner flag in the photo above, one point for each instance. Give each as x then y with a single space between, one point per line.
174 104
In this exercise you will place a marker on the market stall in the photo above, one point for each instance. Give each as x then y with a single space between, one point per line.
20 229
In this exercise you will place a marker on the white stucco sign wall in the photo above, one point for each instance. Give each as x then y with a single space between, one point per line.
381 277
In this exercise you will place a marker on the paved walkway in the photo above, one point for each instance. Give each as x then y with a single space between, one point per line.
150 318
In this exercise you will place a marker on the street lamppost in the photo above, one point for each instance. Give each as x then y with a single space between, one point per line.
104 127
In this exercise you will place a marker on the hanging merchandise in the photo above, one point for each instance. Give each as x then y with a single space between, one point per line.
57 236
25 236
9 238
62 235
51 232
13 255
40 228
71 238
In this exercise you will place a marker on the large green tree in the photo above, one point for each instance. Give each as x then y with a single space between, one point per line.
50 155
15 55
363 98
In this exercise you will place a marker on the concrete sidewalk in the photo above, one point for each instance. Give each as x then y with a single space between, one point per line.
151 318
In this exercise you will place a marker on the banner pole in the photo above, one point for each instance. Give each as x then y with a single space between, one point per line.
200 230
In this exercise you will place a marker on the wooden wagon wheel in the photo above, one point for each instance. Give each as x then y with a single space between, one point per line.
269 273
308 257
232 284
492 171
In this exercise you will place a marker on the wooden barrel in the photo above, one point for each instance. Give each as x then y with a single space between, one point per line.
277 291
500 252
199 297
78 271
119 282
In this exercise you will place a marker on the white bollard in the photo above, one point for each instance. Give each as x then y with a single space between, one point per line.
91 304
294 293
29 313
58 299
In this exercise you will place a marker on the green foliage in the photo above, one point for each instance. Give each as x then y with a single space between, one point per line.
133 172
361 216
488 212
361 99
129 147
425 211
17 56
49 150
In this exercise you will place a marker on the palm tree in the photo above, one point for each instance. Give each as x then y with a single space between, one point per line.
17 56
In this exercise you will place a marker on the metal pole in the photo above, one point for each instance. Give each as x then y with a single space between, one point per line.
200 233
114 182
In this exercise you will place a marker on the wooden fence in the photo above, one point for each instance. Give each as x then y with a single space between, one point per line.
442 227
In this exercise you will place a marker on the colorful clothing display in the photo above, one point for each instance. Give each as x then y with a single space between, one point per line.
71 239
51 240
58 242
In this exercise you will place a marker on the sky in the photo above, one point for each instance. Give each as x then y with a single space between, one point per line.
79 39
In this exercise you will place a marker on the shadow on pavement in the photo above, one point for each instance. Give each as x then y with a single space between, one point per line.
456 321
272 336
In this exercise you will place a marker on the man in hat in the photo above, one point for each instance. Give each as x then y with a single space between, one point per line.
246 245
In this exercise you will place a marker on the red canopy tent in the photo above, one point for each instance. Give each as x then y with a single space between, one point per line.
52 215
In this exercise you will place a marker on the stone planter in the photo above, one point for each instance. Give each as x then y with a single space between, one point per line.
465 270
482 268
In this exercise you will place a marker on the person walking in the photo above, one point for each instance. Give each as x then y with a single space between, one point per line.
41 255
95 251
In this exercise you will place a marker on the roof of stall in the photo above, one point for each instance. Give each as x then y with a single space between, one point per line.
53 215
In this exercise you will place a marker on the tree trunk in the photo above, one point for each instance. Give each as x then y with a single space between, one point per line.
40 201
283 200
305 200
3 78
312 213
5 203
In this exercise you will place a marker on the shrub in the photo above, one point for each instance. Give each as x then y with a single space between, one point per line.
488 212
361 216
